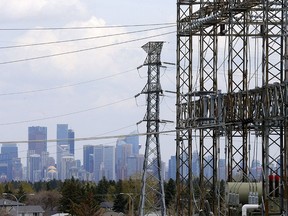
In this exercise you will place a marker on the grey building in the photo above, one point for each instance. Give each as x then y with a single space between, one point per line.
37 139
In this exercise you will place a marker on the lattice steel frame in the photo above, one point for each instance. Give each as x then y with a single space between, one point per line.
184 185
152 198
241 111
208 142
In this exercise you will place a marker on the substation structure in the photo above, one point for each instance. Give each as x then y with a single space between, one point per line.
232 96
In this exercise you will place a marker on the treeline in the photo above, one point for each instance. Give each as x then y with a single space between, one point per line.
83 198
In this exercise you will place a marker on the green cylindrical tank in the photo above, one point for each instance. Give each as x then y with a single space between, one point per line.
245 190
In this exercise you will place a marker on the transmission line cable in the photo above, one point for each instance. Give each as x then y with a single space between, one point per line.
65 86
67 114
25 151
84 50
83 39
90 138
84 27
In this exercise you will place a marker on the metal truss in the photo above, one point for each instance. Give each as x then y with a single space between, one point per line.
152 198
238 114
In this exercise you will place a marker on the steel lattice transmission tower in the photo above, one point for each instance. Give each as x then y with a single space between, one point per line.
152 192
215 118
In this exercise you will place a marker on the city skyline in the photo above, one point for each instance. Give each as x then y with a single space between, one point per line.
51 143
120 160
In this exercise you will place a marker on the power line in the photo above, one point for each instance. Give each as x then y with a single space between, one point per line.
11 142
64 86
67 114
98 137
82 27
85 38
89 138
83 50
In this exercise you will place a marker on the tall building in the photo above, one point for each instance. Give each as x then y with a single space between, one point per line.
9 152
71 141
133 139
109 162
172 168
37 145
67 164
126 147
88 151
62 139
104 162
37 139
17 173
123 151
34 172
135 165
64 147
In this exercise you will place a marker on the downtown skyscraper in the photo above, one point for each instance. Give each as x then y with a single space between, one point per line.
104 162
10 168
37 155
88 158
127 147
65 148
37 139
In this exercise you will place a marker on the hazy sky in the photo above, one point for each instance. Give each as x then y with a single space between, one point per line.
92 89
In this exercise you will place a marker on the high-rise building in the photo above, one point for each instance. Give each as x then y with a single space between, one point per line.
133 139
11 150
63 146
123 151
71 141
109 162
172 168
135 165
88 155
62 139
104 162
17 174
37 139
126 147
98 162
34 172
8 153
37 145
67 164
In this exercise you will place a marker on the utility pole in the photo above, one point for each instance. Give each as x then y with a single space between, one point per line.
152 198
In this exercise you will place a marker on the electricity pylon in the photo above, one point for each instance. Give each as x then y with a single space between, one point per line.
152 198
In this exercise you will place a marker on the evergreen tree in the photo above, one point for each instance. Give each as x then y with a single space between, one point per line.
72 193
87 207
8 188
102 190
120 202
170 192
